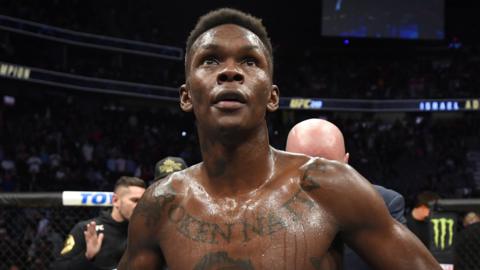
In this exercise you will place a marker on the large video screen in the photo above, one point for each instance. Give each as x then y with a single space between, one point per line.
404 19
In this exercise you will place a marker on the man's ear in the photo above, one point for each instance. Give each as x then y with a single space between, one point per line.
273 99
185 99
115 199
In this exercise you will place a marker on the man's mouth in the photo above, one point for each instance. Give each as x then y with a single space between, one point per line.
229 100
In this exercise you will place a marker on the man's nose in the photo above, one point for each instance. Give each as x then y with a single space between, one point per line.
230 74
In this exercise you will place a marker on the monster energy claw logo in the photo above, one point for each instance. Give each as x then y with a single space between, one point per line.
442 226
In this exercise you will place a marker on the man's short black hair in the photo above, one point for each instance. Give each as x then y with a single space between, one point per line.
229 16
127 181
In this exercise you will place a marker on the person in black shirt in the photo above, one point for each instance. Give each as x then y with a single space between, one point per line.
99 243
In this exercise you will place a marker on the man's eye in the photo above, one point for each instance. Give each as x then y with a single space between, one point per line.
210 61
250 62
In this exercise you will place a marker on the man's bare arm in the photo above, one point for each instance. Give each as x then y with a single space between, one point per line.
364 220
143 250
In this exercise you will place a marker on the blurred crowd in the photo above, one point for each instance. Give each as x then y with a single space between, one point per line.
74 143
389 74
63 141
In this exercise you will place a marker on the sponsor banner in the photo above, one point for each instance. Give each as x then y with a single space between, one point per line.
87 198
387 105
472 104
305 103
442 231
439 105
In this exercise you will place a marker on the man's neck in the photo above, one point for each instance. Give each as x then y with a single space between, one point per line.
117 216
235 165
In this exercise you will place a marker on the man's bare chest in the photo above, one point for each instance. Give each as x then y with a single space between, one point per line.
275 232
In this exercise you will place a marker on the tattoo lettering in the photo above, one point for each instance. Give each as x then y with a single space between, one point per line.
221 260
207 232
258 229
264 226
196 229
202 231
225 235
292 204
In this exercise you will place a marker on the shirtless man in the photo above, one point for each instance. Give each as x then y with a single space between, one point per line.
247 205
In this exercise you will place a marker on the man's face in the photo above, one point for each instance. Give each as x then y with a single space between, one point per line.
126 199
229 82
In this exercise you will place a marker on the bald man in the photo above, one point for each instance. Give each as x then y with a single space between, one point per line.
320 138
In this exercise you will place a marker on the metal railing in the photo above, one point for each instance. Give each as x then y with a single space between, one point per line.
89 40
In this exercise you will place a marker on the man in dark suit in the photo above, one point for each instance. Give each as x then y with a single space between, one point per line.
320 138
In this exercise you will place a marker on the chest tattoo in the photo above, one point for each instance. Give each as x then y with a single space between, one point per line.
199 230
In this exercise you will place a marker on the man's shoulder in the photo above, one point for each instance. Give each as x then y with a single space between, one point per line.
337 186
328 173
317 169
294 161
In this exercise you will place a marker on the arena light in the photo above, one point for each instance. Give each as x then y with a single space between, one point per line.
9 100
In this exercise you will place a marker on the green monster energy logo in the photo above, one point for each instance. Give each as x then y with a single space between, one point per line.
440 231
